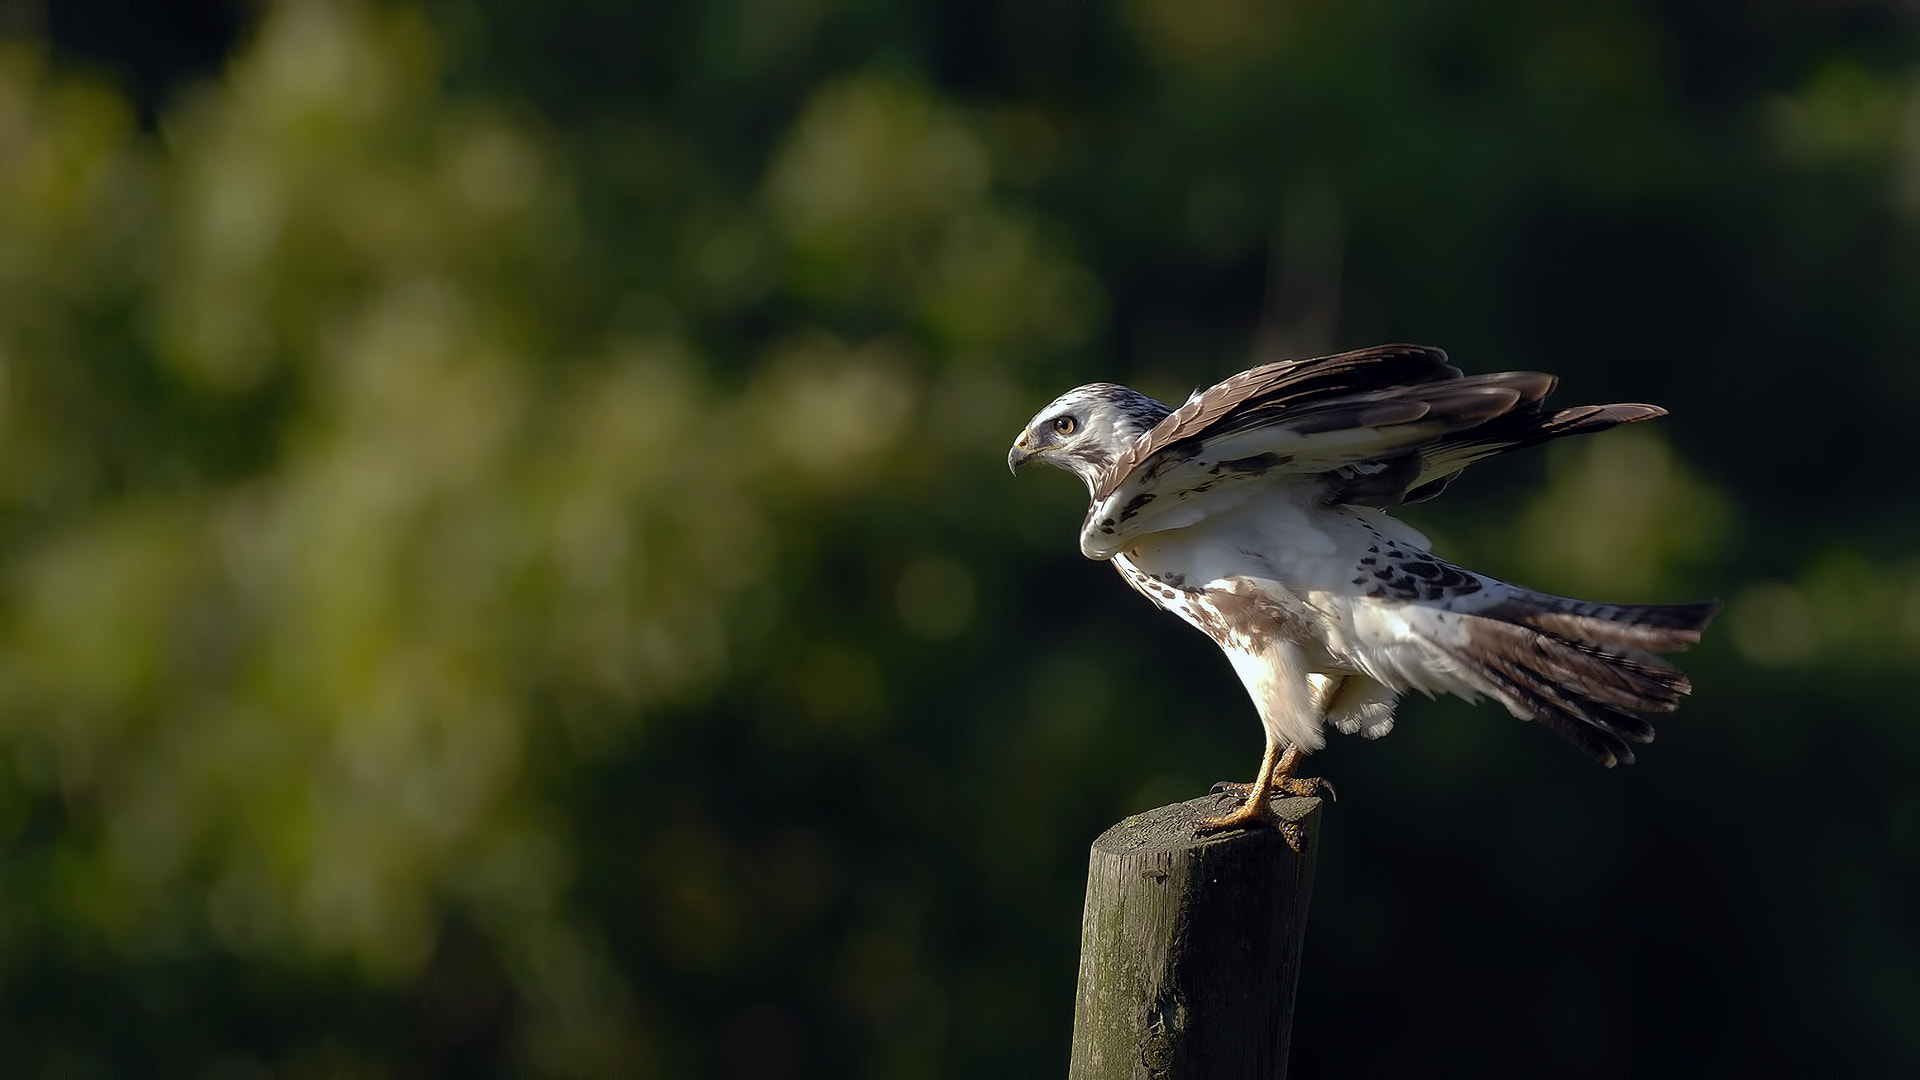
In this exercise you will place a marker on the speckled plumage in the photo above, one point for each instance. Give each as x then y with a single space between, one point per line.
1257 512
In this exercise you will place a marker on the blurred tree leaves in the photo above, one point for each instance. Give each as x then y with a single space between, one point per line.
293 673
507 567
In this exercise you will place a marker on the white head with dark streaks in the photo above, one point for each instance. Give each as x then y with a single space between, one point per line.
1084 429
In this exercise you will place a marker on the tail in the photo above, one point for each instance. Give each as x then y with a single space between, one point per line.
1584 670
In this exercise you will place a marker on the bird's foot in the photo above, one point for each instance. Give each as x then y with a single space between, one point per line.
1256 807
1253 814
1304 786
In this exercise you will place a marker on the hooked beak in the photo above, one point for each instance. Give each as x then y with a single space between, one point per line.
1019 455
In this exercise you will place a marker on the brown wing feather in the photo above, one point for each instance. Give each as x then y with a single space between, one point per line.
1256 394
1381 387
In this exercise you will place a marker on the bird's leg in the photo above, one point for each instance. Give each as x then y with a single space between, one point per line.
1278 775
1254 811
1282 781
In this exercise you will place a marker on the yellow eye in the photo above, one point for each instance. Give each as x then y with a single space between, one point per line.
1063 424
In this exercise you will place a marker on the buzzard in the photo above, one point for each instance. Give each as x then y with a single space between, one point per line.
1258 512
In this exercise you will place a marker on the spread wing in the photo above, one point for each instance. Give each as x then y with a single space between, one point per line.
1375 427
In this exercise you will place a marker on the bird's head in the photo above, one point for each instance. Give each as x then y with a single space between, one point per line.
1084 430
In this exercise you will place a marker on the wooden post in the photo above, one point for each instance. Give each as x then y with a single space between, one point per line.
1190 947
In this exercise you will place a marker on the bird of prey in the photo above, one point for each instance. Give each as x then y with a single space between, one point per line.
1257 512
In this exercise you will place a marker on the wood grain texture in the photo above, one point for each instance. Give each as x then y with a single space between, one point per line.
1190 946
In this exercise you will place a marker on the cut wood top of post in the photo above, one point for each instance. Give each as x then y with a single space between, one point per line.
1173 827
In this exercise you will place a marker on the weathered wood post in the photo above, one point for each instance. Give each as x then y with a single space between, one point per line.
1190 947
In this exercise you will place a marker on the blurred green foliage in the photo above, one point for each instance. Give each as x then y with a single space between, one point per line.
507 568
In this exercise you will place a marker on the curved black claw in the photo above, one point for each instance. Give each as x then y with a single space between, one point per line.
1305 786
1316 785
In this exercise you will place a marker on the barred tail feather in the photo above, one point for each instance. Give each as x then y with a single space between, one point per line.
1647 627
1584 670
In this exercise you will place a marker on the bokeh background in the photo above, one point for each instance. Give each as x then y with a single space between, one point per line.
507 565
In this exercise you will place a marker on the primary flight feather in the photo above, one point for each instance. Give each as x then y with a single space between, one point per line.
1257 512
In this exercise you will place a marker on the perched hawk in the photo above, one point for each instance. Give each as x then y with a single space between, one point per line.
1257 512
